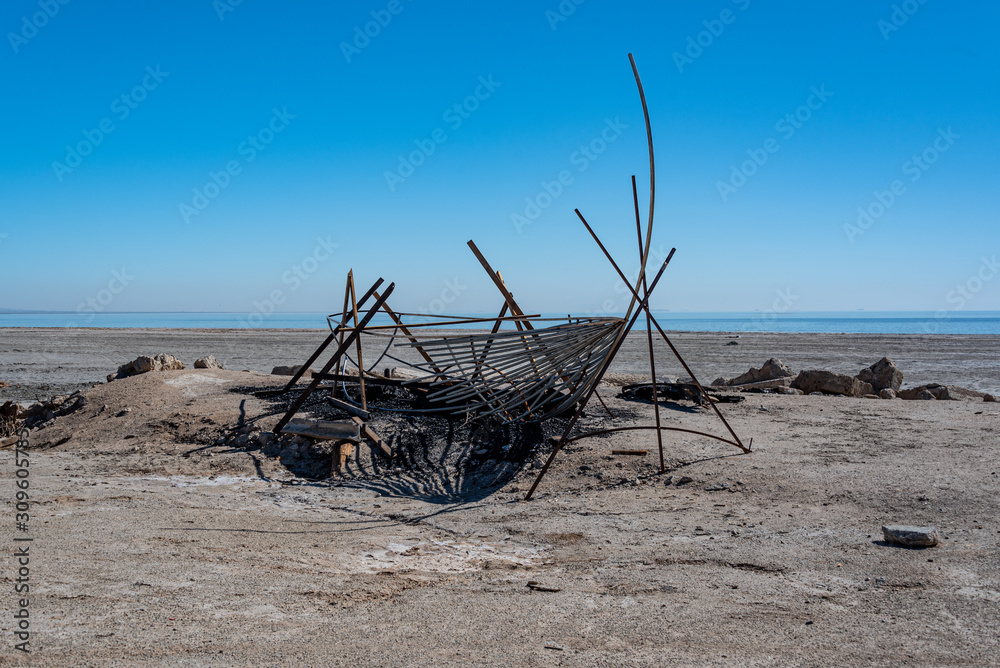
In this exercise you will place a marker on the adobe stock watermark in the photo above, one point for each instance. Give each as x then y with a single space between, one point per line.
581 159
122 107
37 21
381 18
562 12
454 116
249 149
617 304
783 302
787 125
99 302
900 14
223 7
452 290
915 167
964 292
294 277
714 28
22 543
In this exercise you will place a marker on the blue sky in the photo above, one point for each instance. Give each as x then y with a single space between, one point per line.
255 152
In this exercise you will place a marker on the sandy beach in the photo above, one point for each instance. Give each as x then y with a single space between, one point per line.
167 531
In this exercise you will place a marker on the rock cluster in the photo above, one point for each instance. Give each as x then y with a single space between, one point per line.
882 380
41 413
145 364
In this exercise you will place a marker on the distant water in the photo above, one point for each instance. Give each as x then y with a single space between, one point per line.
864 322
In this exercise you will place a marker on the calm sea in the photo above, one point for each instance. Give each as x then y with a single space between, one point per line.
869 322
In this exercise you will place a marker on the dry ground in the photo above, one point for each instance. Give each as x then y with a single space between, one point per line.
155 545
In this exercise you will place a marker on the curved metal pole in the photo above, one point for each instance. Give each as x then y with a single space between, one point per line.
649 426
652 184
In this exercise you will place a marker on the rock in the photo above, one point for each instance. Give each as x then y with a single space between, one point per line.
943 392
788 390
831 383
685 480
887 393
991 398
763 385
721 382
925 395
884 374
910 536
772 369
145 364
815 394
870 396
717 488
291 371
208 363
733 343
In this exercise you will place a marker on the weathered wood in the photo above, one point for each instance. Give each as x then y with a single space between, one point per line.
361 362
341 453
373 438
509 298
348 340
326 431
348 407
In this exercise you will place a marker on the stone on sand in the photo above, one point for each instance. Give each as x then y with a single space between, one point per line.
942 392
881 375
772 369
910 536
145 364
816 380
207 363
887 393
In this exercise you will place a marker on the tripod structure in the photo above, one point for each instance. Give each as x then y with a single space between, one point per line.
541 368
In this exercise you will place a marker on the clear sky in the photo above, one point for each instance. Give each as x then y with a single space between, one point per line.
208 156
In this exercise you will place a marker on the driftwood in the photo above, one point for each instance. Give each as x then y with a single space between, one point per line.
676 392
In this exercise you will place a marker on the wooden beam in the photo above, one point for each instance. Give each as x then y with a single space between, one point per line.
348 340
373 438
497 281
348 407
361 362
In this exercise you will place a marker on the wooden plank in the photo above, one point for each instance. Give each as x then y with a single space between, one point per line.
372 437
348 340
327 431
361 362
350 408
341 454
509 298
